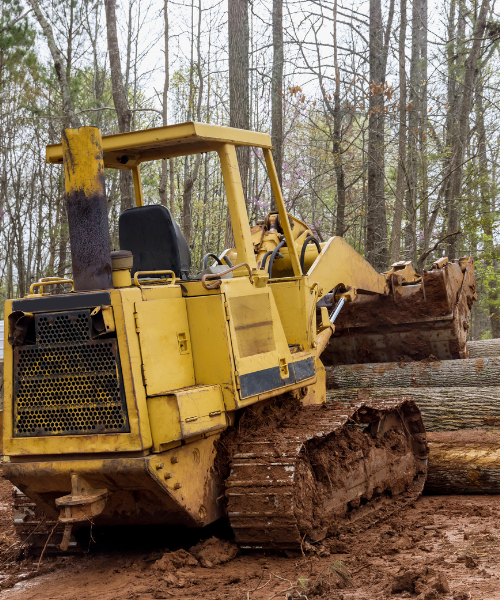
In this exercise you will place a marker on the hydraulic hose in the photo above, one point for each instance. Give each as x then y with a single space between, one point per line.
273 256
211 255
264 260
311 238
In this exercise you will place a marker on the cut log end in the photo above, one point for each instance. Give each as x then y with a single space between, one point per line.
464 462
484 348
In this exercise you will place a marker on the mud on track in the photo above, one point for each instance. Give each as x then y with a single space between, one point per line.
444 547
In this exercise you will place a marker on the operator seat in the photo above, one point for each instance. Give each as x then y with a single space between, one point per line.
155 240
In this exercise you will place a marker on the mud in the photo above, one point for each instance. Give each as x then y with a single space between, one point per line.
415 322
442 548
296 472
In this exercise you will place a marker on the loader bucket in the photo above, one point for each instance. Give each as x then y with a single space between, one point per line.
425 320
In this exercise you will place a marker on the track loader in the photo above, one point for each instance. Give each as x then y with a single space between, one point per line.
138 393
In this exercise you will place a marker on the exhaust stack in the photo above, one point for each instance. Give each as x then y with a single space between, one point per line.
87 209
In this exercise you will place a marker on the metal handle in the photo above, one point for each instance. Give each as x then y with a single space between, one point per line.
217 283
171 273
51 278
50 281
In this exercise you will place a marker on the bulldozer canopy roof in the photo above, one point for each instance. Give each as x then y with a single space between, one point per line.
126 150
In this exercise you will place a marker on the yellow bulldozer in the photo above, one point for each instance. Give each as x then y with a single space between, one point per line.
139 393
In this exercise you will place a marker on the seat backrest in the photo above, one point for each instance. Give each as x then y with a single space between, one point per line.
155 240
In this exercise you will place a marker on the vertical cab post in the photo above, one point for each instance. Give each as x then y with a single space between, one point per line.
136 175
236 204
87 208
285 224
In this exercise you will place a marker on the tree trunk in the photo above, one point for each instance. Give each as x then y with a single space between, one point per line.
190 177
464 462
239 95
454 62
394 251
340 226
423 197
446 373
277 93
462 127
376 217
443 408
71 119
119 98
484 348
413 134
488 215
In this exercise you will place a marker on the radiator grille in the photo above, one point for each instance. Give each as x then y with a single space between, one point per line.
68 384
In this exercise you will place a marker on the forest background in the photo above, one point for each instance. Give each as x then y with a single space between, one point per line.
384 116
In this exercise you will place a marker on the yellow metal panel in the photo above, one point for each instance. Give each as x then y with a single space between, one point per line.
201 410
189 476
139 437
166 152
293 300
236 205
8 372
186 413
84 167
160 292
123 302
316 393
231 135
252 324
137 141
339 263
210 339
177 487
165 420
165 345
282 266
260 312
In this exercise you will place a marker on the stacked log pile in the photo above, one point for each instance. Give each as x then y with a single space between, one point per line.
460 404
484 348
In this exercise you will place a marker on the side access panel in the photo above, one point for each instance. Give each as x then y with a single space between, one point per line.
167 360
211 345
262 357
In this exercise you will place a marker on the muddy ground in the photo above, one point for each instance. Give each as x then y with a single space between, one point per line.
445 547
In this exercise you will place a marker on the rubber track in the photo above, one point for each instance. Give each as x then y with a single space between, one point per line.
266 519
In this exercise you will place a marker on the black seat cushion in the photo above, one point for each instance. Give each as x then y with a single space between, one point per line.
155 240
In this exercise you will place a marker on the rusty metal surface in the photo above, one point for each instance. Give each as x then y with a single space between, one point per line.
86 207
66 383
271 490
37 531
89 240
415 321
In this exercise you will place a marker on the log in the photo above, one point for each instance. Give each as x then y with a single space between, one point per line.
481 372
443 409
463 462
484 348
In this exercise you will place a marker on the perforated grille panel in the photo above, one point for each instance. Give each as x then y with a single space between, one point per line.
68 384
